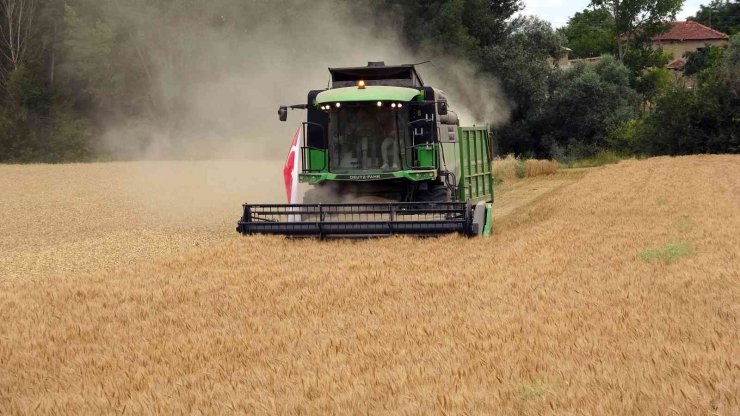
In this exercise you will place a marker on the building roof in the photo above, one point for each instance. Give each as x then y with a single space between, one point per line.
677 65
683 31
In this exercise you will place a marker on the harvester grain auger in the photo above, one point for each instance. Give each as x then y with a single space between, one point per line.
384 155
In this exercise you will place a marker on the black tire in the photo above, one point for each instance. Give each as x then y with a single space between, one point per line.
435 192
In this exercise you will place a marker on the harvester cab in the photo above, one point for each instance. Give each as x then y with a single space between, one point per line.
383 154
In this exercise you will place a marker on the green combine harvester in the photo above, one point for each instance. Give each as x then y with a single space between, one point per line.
384 155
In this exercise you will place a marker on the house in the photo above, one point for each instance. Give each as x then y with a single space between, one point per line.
563 60
683 37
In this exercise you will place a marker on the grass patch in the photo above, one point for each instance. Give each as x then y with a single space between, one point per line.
684 224
668 253
533 389
520 169
605 157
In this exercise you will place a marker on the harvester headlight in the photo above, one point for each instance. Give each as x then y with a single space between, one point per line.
400 105
380 103
338 105
393 105
361 85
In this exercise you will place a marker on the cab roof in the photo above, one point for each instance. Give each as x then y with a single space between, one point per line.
369 93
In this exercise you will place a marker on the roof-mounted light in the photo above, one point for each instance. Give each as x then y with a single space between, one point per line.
361 85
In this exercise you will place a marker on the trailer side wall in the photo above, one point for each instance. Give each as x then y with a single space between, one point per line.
475 178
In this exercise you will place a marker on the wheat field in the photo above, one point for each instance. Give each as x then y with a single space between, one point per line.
609 291
509 168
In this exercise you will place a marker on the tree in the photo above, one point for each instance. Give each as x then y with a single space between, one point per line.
455 27
707 57
688 121
520 63
590 33
732 54
586 101
560 112
636 21
722 15
16 33
653 82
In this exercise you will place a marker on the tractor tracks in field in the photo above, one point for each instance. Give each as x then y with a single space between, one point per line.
518 198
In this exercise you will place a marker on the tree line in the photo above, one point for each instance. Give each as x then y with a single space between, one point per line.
68 68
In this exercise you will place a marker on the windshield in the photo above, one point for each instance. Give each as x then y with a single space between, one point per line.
367 137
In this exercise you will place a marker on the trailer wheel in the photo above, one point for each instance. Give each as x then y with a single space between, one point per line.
479 218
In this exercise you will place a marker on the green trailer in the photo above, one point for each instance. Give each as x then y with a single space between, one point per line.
383 154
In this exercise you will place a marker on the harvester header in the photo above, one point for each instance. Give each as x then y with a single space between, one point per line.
382 153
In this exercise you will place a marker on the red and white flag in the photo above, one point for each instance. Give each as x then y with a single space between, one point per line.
290 170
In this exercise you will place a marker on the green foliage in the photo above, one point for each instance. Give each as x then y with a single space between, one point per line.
635 23
101 62
732 53
89 50
705 58
667 253
639 20
687 121
457 27
521 169
671 128
591 33
34 123
624 136
721 15
638 58
520 64
653 82
580 105
601 158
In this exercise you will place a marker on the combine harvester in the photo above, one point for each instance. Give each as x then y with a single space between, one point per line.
384 155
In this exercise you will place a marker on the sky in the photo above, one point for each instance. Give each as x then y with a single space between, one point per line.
557 12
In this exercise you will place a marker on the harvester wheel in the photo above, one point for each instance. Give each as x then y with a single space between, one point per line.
436 192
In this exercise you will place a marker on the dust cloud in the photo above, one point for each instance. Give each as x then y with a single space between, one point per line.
219 79
220 85
218 73
476 97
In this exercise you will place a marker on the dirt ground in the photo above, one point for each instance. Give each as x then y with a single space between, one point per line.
609 291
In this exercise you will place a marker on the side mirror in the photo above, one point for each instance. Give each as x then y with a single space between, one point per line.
442 108
283 113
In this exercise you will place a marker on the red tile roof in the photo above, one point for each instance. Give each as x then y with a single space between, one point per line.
678 64
682 31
